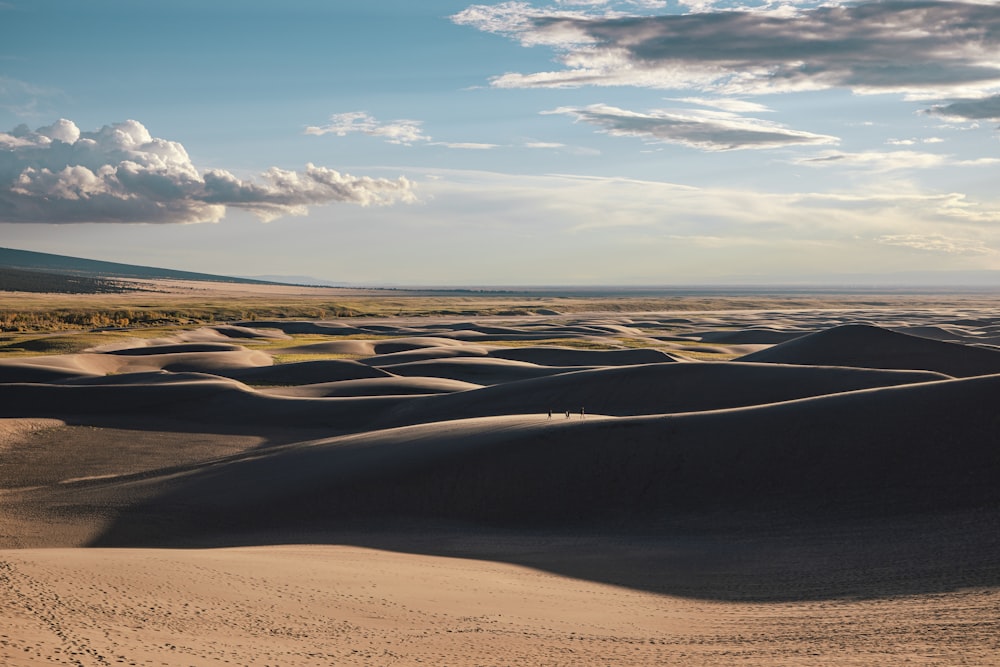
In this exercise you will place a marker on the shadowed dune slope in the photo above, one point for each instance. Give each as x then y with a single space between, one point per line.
305 327
478 370
924 447
305 372
193 397
19 371
233 331
425 354
177 348
564 356
866 346
651 389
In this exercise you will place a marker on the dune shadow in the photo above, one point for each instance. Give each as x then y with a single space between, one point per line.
872 493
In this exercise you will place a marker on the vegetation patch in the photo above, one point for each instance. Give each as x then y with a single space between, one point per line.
294 358
706 354
34 345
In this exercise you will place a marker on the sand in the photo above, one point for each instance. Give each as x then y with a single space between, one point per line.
732 487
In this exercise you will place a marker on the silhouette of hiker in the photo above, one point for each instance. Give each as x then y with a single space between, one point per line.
550 413
567 414
583 415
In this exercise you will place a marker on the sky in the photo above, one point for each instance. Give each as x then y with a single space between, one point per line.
555 142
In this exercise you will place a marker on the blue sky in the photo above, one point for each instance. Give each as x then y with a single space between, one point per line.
513 143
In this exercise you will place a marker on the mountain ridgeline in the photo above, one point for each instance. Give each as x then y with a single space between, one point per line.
28 271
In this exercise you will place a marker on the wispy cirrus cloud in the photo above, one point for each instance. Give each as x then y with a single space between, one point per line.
404 131
467 145
25 99
885 161
918 48
697 128
938 243
121 173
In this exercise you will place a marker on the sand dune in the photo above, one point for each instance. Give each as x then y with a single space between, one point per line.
476 370
26 371
872 347
426 354
13 431
179 348
197 362
829 499
389 386
305 372
564 356
362 348
199 399
233 331
651 389
81 364
809 458
750 336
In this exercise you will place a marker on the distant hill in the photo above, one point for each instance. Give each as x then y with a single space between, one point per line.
27 271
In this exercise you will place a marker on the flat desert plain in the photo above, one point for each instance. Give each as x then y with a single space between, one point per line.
738 487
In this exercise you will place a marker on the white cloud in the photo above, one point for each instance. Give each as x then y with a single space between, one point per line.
706 130
600 202
466 145
727 104
121 173
877 161
403 131
938 243
926 48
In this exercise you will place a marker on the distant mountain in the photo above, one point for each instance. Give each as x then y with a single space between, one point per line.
309 281
28 271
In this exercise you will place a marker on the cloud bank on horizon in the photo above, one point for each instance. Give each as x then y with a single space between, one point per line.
121 173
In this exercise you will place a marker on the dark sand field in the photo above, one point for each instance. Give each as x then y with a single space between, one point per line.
738 487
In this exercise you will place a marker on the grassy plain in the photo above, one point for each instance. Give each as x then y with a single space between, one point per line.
168 303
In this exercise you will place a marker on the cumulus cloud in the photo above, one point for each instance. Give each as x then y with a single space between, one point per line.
403 131
985 108
698 128
920 48
121 173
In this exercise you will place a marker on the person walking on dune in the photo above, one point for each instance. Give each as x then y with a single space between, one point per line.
583 415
